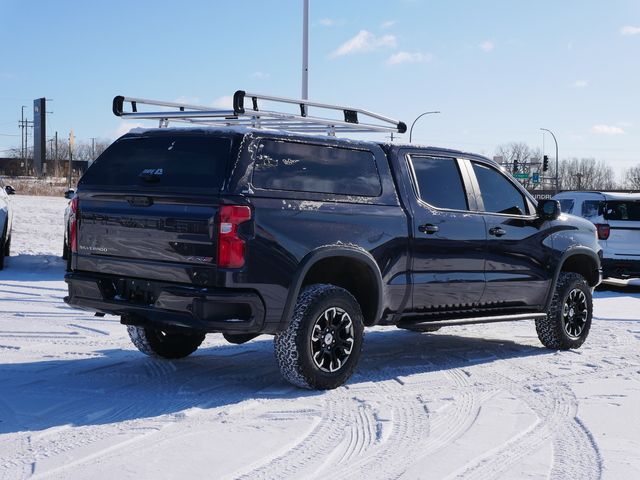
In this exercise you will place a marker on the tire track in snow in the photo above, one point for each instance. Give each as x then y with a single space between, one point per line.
413 431
12 465
362 434
555 406
575 452
456 418
311 449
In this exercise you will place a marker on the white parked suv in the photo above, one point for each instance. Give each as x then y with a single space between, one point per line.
617 220
6 218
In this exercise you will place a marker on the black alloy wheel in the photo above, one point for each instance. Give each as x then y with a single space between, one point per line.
575 312
332 339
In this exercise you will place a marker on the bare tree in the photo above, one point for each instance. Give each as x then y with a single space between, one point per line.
632 178
57 158
586 174
528 160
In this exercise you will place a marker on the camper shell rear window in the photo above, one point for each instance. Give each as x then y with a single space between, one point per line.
163 162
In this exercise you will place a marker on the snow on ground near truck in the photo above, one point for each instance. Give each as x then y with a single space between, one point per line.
78 401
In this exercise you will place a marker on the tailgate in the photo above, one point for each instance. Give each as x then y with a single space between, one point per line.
148 208
623 218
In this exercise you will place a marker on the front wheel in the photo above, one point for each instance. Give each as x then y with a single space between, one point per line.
568 319
322 344
158 343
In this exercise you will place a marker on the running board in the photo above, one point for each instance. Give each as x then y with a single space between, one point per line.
469 321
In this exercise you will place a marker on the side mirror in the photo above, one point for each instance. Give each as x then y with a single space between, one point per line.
10 190
548 209
69 193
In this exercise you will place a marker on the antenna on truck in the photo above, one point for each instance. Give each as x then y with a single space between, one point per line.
248 114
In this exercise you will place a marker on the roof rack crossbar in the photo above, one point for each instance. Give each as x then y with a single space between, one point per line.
352 119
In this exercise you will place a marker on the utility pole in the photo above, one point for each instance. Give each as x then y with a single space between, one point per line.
57 161
50 164
22 133
93 150
24 125
71 142
305 51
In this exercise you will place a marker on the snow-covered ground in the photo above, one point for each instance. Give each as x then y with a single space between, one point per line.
77 400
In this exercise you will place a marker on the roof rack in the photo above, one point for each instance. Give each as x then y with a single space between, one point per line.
351 119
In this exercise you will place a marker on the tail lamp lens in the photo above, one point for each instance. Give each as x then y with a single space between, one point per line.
73 225
603 230
231 248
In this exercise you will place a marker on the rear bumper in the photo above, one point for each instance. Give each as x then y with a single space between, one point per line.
620 268
142 302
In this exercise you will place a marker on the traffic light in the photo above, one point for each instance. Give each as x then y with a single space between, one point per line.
515 165
545 163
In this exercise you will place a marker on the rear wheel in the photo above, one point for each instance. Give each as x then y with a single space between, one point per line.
158 343
322 344
568 319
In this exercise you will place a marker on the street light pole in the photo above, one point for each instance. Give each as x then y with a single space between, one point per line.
556 141
305 51
23 143
414 122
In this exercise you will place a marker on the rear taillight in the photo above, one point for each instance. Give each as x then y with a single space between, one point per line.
603 230
73 225
231 247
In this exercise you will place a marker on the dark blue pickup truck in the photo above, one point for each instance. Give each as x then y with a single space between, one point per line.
243 231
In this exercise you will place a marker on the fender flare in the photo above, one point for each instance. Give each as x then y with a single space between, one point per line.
563 259
331 251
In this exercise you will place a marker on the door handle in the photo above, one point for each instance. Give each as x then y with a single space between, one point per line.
497 231
428 228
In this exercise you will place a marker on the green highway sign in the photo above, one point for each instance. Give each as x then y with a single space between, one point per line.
521 175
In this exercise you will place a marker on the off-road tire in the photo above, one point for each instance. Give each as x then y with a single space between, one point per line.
293 346
551 330
156 343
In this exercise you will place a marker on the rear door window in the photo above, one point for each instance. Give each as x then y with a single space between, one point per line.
620 210
304 167
566 205
591 208
499 195
162 162
439 183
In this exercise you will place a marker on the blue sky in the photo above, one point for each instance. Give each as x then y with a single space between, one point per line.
498 70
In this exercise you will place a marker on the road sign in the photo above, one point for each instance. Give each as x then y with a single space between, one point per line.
535 177
523 176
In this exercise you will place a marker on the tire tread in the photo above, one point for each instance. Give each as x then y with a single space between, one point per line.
549 329
287 352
